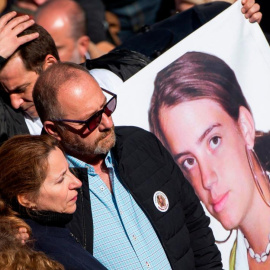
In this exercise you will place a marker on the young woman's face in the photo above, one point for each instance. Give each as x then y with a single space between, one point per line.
58 192
209 147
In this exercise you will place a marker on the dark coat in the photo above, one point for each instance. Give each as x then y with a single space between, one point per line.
135 53
12 121
145 167
154 40
58 244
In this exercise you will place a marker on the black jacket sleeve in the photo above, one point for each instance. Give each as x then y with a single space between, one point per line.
11 121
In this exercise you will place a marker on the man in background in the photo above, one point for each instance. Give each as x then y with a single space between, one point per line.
18 73
65 22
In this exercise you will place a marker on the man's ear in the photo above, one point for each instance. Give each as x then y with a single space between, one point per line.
83 44
49 60
51 129
24 200
247 126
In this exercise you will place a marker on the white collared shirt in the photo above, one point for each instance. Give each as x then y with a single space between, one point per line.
34 125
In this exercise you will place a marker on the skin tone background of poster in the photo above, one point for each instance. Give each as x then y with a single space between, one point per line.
242 46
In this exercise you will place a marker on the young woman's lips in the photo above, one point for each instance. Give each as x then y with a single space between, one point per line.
219 203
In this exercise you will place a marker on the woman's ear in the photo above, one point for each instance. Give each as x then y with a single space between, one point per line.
247 126
25 201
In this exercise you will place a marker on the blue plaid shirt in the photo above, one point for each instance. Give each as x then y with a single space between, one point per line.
123 236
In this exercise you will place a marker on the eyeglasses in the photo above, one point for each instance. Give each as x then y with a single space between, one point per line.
94 121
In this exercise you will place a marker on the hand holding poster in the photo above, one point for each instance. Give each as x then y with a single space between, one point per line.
200 114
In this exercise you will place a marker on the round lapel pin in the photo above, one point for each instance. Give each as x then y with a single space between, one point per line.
161 201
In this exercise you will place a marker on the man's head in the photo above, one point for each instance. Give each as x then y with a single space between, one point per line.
22 69
74 95
65 21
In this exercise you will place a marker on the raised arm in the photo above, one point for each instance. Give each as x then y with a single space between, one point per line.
10 27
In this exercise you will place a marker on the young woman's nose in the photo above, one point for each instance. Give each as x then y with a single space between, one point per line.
208 175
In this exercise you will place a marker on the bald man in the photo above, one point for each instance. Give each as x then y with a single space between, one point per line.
65 22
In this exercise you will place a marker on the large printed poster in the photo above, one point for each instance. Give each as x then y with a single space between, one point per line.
191 98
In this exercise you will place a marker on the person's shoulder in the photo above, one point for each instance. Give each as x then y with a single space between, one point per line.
131 132
208 11
130 139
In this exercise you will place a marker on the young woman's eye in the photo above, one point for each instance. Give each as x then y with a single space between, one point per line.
189 163
215 142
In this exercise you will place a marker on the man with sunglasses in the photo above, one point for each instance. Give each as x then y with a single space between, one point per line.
125 172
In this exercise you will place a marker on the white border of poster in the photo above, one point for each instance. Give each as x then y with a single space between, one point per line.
242 46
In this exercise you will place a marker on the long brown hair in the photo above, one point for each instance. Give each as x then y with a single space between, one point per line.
23 169
15 255
23 165
10 221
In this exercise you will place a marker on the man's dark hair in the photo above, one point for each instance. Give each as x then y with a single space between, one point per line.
33 53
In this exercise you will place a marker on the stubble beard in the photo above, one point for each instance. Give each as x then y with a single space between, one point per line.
101 146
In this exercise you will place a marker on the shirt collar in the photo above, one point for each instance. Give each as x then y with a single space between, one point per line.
75 162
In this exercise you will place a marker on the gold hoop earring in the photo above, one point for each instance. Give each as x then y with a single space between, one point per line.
33 207
252 168
225 240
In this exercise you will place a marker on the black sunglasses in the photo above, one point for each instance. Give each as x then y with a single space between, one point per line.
94 121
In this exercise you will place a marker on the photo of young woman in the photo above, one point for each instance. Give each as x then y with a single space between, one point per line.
200 114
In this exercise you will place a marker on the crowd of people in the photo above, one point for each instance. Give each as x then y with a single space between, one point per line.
76 192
